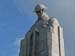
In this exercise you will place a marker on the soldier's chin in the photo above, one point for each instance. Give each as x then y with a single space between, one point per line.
39 15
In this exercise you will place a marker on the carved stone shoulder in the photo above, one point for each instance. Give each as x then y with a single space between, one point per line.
54 22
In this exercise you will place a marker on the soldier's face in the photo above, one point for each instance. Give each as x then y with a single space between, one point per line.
39 13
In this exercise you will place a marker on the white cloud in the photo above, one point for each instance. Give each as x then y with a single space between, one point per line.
18 41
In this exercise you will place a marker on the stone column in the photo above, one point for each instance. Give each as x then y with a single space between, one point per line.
61 41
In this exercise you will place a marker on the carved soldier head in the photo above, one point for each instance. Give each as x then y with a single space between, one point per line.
40 9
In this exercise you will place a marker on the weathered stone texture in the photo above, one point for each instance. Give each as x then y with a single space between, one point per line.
43 39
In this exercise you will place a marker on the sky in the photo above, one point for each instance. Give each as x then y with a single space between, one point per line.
17 16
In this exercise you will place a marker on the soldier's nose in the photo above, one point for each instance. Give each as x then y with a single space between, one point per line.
38 11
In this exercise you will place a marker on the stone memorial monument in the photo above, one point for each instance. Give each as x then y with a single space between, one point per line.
45 37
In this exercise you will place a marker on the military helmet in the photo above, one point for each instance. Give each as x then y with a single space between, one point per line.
39 7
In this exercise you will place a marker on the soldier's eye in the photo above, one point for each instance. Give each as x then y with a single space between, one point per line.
38 11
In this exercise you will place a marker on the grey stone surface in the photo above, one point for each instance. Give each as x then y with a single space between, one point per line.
45 38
